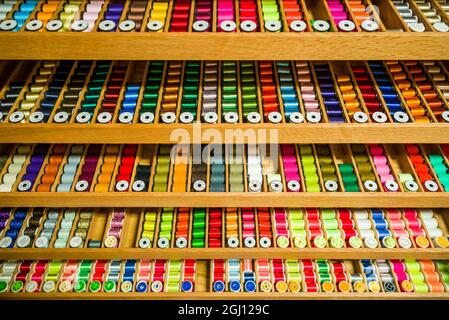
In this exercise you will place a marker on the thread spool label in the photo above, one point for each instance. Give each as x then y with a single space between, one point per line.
163 242
369 25
218 286
65 286
299 242
49 286
34 25
274 117
401 117
126 286
199 186
127 25
31 286
144 243
138 186
404 242
231 117
346 25
253 117
411 186
41 242
83 117
331 185
168 117
298 25
265 286
79 25
109 286
181 242
24 185
233 242
441 27
431 186
200 26
273 25
355 242
265 242
61 117
122 185
360 117
23 241
156 286
392 186
16 116
106 25
313 117
8 25
54 25
293 185
125 117
249 242
76 242
417 27
379 117
321 25
228 25
370 185
255 186
155 25
296 117
248 26
210 117
276 186
146 117
82 185
110 242
36 117
104 117
282 241
186 117
445 116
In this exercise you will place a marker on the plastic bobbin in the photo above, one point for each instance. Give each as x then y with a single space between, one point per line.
273 25
417 27
379 117
54 25
126 286
255 186
36 117
34 25
138 186
445 116
23 241
411 186
186 117
296 117
431 186
25 185
155 25
125 117
228 25
248 26
168 117
61 117
401 117
79 25
16 116
156 286
49 286
210 117
392 186
163 242
76 242
360 117
31 286
104 117
321 25
313 117
187 286
369 25
293 185
298 25
441 27
106 25
331 185
199 186
83 117
231 117
276 186
146 117
122 185
370 185
200 26
404 242
233 242
218 286
249 242
5 242
346 25
235 286
144 243
41 242
274 117
265 242
82 185
181 242
253 117
8 25
127 25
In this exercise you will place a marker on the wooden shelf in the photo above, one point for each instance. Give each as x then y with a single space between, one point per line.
221 199
220 46
223 253
227 295
286 133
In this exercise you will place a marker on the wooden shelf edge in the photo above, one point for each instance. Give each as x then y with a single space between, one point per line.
226 296
225 199
228 133
223 253
222 46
